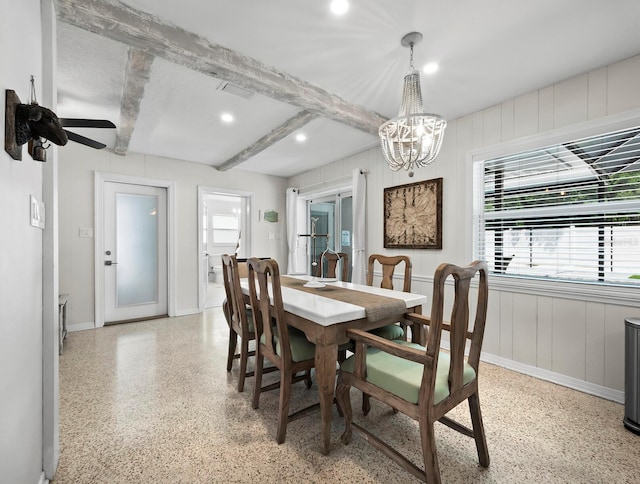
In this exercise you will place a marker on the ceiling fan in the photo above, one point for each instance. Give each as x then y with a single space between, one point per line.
34 124
85 123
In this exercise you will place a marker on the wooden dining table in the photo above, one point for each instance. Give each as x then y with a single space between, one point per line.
324 320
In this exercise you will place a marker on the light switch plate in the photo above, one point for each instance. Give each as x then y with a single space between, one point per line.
85 232
37 213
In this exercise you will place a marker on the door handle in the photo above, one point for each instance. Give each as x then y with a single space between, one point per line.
109 263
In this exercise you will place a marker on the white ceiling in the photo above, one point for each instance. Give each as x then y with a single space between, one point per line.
488 51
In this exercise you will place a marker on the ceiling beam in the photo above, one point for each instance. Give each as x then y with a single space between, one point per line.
122 23
285 129
136 76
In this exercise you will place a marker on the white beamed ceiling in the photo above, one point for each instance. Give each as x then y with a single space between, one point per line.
488 51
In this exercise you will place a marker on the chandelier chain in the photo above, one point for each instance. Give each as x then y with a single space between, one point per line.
411 56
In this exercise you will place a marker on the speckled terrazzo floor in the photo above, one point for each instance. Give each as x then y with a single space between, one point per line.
152 402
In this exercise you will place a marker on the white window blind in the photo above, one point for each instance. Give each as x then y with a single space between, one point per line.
570 211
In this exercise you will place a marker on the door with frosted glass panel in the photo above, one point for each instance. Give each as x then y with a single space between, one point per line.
135 252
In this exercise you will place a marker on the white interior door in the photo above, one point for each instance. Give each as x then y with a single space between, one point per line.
135 251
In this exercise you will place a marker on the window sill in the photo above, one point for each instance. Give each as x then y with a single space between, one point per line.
602 293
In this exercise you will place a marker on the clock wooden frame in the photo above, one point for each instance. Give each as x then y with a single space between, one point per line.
413 215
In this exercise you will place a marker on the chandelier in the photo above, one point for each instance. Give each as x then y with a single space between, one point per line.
413 138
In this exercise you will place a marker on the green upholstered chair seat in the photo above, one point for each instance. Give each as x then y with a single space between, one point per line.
403 377
301 348
390 332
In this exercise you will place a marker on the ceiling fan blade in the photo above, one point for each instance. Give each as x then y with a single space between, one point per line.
85 141
86 123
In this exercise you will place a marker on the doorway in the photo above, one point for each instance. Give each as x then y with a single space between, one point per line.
224 228
133 249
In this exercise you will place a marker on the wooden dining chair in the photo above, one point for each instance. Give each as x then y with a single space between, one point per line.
330 260
424 383
285 347
239 317
398 330
389 264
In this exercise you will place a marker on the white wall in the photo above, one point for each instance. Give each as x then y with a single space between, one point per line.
575 340
76 209
20 261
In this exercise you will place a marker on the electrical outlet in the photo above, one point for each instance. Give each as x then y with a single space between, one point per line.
85 232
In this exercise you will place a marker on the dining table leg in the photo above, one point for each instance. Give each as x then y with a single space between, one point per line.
418 332
326 361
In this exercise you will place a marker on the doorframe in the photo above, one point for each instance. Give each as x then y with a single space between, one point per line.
99 180
202 192
50 256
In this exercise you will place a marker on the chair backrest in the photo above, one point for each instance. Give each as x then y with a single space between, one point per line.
242 265
237 317
330 261
459 327
266 302
389 264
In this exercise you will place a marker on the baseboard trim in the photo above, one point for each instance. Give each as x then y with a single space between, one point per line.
553 377
80 326
188 312
91 325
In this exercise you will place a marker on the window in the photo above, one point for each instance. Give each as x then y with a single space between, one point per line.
569 211
225 229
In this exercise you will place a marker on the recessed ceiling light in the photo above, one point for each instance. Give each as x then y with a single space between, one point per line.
430 68
339 7
301 137
226 118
